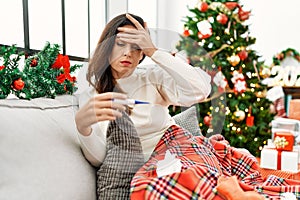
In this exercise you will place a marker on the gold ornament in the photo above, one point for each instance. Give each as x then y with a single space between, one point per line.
239 115
234 60
265 72
261 94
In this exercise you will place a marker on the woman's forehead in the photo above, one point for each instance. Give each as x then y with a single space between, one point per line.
128 26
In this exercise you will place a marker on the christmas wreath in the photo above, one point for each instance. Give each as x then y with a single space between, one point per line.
44 74
286 53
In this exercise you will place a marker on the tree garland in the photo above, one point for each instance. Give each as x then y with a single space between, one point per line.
45 74
285 53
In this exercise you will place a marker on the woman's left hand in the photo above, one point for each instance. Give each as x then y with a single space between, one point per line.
139 36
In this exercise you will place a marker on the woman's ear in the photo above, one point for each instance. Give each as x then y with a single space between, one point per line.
142 57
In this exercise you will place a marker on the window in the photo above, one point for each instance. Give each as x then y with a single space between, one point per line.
73 24
76 25
11 23
44 19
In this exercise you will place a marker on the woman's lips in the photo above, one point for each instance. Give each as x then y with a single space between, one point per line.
125 63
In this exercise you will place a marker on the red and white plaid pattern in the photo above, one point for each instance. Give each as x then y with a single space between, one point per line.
203 160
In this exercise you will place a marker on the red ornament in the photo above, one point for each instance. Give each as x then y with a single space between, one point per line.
243 15
186 32
204 35
222 18
2 67
33 62
243 55
207 120
203 6
18 84
250 118
231 5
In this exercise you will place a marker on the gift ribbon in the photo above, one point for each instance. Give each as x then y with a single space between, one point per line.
279 159
279 151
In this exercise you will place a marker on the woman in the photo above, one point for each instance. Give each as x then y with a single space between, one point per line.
122 46
101 121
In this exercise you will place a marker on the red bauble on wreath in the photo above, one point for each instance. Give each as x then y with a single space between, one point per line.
18 84
33 63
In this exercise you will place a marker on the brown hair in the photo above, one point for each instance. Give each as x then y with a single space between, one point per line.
99 73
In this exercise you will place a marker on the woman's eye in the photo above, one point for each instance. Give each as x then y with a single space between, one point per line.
120 44
135 47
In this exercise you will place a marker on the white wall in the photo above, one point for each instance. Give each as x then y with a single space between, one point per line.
275 24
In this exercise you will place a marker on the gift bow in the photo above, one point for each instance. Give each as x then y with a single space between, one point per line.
280 142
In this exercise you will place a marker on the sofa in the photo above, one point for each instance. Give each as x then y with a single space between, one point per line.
40 153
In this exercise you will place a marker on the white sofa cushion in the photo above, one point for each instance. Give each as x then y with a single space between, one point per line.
40 154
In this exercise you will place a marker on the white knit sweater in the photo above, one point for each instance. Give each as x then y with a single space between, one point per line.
171 82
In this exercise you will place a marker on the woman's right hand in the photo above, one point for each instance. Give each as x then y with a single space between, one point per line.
139 36
98 108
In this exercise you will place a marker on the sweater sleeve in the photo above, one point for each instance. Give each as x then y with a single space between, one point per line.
93 148
186 85
94 145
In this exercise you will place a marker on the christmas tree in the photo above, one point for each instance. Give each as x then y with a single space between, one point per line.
217 38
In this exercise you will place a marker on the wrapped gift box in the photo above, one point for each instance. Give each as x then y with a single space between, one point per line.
284 141
294 109
265 173
279 160
297 148
287 125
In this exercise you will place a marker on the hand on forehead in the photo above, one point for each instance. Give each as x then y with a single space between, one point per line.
134 21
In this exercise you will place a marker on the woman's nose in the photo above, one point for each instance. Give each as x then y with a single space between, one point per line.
127 50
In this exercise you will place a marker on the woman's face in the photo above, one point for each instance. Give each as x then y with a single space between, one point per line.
124 57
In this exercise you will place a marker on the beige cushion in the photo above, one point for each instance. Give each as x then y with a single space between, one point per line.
40 156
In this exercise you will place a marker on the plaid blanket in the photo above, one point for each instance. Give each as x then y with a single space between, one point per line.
203 161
